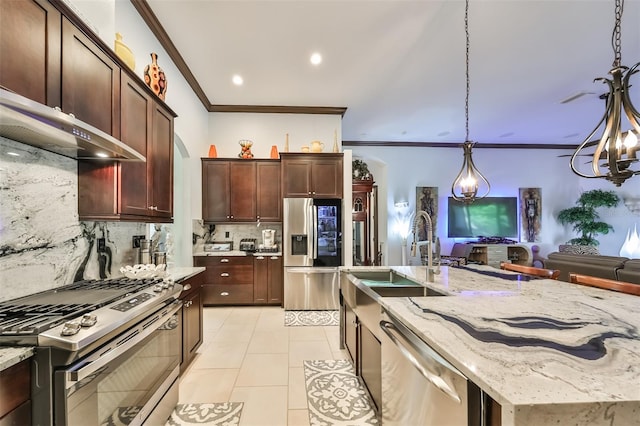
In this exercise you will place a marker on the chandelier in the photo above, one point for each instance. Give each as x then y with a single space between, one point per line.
466 184
616 147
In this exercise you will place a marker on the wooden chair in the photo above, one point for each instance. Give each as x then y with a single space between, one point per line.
621 286
531 270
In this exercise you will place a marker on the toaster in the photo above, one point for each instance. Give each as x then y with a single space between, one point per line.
248 244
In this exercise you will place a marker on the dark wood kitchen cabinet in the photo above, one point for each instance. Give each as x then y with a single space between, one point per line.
228 190
132 190
268 279
312 175
30 41
228 280
268 191
15 394
191 297
46 57
90 81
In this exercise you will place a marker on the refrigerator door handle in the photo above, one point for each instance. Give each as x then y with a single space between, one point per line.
314 235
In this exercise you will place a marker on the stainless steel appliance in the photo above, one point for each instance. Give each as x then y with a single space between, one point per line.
419 387
30 122
107 351
312 250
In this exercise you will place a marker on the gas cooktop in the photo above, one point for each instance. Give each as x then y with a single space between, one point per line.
34 314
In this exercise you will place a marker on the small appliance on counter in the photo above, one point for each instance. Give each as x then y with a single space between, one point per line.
248 245
218 246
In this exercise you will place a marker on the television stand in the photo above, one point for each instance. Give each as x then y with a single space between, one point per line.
494 254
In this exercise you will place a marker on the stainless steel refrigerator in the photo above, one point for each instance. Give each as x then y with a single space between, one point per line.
312 251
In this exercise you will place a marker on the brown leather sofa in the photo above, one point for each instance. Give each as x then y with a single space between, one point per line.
630 272
587 264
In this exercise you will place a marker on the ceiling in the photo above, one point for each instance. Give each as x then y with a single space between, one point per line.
398 67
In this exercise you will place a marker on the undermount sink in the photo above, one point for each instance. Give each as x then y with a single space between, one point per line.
387 283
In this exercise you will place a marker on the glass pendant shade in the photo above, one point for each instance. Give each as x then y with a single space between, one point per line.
469 180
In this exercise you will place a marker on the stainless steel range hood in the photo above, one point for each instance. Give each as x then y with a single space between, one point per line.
32 123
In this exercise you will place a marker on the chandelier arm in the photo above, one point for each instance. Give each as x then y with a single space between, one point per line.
629 107
587 142
479 175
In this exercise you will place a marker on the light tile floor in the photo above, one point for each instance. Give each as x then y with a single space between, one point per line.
249 356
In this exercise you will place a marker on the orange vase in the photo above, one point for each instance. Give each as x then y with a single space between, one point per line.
274 151
213 153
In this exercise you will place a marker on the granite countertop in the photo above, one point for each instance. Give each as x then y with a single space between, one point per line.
182 273
548 351
10 356
235 253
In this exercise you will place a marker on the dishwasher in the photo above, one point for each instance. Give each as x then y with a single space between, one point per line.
419 387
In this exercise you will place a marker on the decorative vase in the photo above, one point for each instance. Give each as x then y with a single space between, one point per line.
155 78
286 143
245 151
213 153
335 141
274 151
123 52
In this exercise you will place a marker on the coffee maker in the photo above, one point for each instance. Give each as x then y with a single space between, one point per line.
269 238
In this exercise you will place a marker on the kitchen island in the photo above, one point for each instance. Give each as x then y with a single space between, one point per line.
547 351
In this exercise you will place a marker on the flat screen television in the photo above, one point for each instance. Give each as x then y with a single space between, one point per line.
486 217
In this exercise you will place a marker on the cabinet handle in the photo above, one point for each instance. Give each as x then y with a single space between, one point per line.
186 287
274 258
231 216
260 257
224 293
228 217
224 274
225 260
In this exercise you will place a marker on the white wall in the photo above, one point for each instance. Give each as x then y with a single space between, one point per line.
398 172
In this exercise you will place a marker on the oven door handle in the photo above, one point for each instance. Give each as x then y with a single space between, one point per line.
104 356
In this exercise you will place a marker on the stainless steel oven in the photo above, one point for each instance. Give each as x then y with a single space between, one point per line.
122 382
107 351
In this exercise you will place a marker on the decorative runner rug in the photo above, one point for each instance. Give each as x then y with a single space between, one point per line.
301 318
221 413
335 396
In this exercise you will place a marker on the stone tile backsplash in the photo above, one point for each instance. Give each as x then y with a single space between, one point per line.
203 233
43 244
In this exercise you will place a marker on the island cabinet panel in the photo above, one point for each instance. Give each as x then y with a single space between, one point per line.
191 297
312 175
268 280
30 33
268 191
228 280
15 394
90 81
133 190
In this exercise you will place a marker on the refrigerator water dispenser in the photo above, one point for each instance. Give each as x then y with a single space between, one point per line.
299 245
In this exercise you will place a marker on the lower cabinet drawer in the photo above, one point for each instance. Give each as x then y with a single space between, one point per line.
227 294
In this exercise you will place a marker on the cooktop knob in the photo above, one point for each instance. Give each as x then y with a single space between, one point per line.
70 328
88 320
158 288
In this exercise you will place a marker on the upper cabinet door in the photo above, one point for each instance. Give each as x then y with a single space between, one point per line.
90 81
30 49
160 160
326 176
268 196
242 190
136 131
215 191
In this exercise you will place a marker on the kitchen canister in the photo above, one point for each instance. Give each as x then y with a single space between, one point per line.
160 258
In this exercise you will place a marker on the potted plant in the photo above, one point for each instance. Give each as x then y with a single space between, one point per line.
585 219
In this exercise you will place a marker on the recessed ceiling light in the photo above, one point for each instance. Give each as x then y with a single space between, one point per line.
316 58
445 133
506 135
237 80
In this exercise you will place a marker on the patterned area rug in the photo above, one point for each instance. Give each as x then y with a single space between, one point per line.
222 413
335 396
300 318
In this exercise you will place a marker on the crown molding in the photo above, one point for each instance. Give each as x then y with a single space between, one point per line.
457 145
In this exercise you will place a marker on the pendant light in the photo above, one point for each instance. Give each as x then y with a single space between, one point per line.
465 185
617 147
